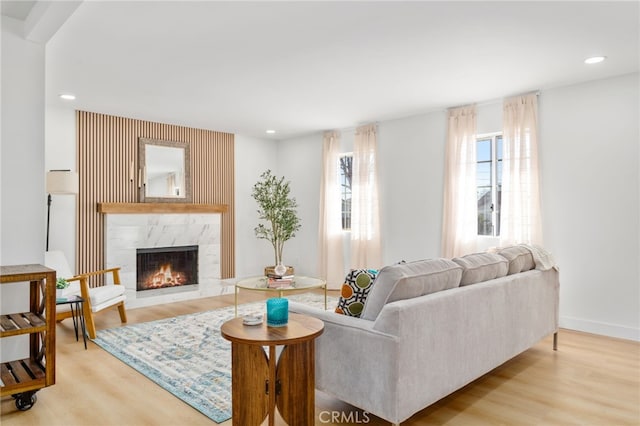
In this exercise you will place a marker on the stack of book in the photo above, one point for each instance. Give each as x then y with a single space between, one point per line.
277 281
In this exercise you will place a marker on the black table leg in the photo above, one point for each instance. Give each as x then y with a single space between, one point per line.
81 319
77 315
73 317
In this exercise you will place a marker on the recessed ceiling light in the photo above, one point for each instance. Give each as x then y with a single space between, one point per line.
270 132
594 60
67 96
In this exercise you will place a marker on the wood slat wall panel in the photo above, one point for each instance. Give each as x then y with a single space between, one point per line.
107 146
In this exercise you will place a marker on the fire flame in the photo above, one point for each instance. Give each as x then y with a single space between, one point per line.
164 277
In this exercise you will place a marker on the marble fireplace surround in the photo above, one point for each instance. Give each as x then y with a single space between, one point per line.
129 226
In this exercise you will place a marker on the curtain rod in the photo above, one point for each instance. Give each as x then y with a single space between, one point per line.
496 100
483 103
493 101
352 128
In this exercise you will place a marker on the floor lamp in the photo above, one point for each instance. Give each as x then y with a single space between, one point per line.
59 182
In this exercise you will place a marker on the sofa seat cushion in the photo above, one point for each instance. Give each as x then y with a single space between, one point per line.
105 293
520 258
478 267
408 280
354 292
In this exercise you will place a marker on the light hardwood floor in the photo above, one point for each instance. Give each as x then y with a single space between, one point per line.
590 380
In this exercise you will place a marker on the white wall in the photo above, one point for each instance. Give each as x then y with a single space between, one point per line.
60 154
23 194
589 158
411 162
590 196
23 201
252 157
299 161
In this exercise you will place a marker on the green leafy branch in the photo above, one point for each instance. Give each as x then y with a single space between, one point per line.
277 209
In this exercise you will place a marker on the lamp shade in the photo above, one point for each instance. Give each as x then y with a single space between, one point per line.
62 182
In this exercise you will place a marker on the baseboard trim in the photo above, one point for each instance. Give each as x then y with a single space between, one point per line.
611 330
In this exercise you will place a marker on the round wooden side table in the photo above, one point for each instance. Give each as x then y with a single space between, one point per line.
259 382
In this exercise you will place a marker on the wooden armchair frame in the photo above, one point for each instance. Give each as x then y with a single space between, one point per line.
87 308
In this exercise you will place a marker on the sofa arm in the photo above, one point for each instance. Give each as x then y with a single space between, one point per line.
352 359
332 317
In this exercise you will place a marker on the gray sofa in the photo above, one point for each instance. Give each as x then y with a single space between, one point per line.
430 327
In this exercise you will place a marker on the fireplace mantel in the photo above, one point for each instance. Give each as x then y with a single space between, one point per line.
143 208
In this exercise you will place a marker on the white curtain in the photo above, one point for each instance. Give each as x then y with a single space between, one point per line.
460 204
330 223
366 249
520 220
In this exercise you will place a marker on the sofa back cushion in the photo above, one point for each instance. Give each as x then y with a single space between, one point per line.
480 267
520 258
408 280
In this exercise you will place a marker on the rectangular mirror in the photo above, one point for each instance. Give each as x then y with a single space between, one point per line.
165 174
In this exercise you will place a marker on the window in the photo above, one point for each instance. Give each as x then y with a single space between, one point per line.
345 169
489 183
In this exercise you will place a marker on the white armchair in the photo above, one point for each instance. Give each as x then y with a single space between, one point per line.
96 298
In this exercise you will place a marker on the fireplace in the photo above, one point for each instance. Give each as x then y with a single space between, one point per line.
162 267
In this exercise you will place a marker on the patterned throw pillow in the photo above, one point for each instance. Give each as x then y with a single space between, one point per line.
354 291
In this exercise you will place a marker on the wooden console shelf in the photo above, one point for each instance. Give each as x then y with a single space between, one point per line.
22 378
21 323
142 208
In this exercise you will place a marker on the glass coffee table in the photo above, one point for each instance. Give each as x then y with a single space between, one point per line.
298 284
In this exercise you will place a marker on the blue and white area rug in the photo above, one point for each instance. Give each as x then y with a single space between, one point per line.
186 355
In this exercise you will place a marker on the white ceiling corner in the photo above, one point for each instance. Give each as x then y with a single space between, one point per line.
16 9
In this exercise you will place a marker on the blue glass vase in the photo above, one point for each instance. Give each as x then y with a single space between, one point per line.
277 312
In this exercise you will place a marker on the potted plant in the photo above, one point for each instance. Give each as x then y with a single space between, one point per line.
277 210
61 284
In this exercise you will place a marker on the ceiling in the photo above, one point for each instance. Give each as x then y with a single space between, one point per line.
17 9
302 67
